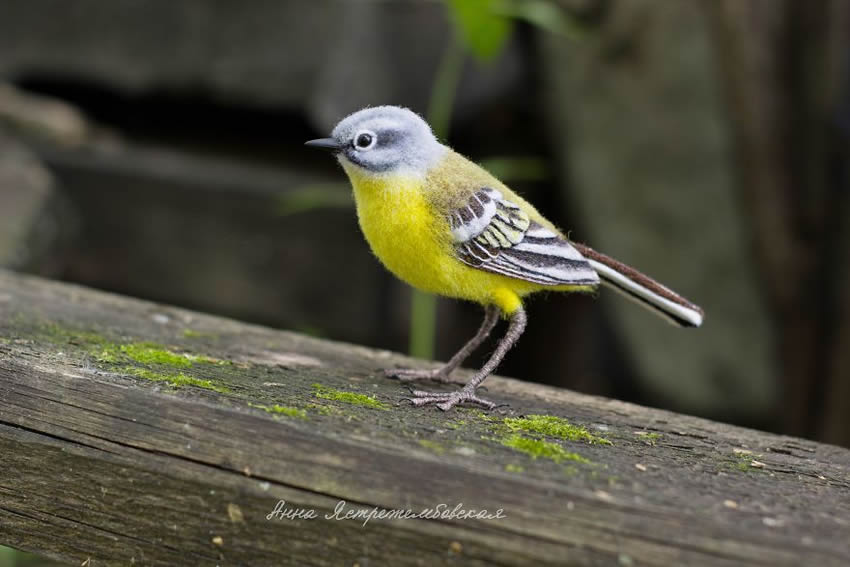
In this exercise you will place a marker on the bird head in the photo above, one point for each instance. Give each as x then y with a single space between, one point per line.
383 140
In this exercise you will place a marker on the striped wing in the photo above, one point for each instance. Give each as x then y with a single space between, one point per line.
492 234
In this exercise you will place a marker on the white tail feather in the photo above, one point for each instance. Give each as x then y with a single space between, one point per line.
677 314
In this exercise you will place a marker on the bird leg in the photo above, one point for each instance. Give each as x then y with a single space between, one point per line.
448 400
491 317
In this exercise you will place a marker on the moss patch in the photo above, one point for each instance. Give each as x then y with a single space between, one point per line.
649 438
146 360
744 461
175 380
325 393
282 410
477 413
104 350
514 468
288 411
59 334
193 334
150 353
536 448
106 356
552 426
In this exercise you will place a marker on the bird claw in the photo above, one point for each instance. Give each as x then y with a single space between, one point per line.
447 400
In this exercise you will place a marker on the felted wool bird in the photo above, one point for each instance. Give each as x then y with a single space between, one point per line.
446 226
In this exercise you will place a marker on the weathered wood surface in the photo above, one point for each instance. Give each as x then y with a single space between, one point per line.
102 465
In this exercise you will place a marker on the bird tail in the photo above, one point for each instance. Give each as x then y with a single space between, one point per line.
642 289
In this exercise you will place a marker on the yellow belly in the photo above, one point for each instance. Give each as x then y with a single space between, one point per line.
414 242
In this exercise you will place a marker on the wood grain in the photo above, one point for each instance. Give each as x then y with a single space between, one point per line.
103 466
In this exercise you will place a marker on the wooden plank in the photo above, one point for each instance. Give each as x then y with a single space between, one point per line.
107 462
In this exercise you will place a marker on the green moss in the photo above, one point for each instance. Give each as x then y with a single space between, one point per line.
150 353
57 333
536 448
457 424
105 351
325 393
183 380
432 446
106 356
552 426
175 380
289 411
193 334
743 461
282 410
511 467
479 414
159 362
649 438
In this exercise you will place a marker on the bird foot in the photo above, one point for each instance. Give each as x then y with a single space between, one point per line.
411 374
447 400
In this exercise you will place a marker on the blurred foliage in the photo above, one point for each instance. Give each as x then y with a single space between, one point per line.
520 168
7 557
443 91
544 14
318 196
479 24
13 558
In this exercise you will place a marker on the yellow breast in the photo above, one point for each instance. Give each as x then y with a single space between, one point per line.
402 230
412 239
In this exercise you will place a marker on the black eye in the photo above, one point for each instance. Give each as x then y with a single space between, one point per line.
363 140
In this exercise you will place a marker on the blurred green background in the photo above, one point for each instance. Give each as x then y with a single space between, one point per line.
13 558
155 149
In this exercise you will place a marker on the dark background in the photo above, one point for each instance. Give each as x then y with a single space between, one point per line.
155 149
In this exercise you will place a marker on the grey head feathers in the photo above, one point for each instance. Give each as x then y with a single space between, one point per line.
388 139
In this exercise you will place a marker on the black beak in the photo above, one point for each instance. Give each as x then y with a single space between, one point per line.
327 144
